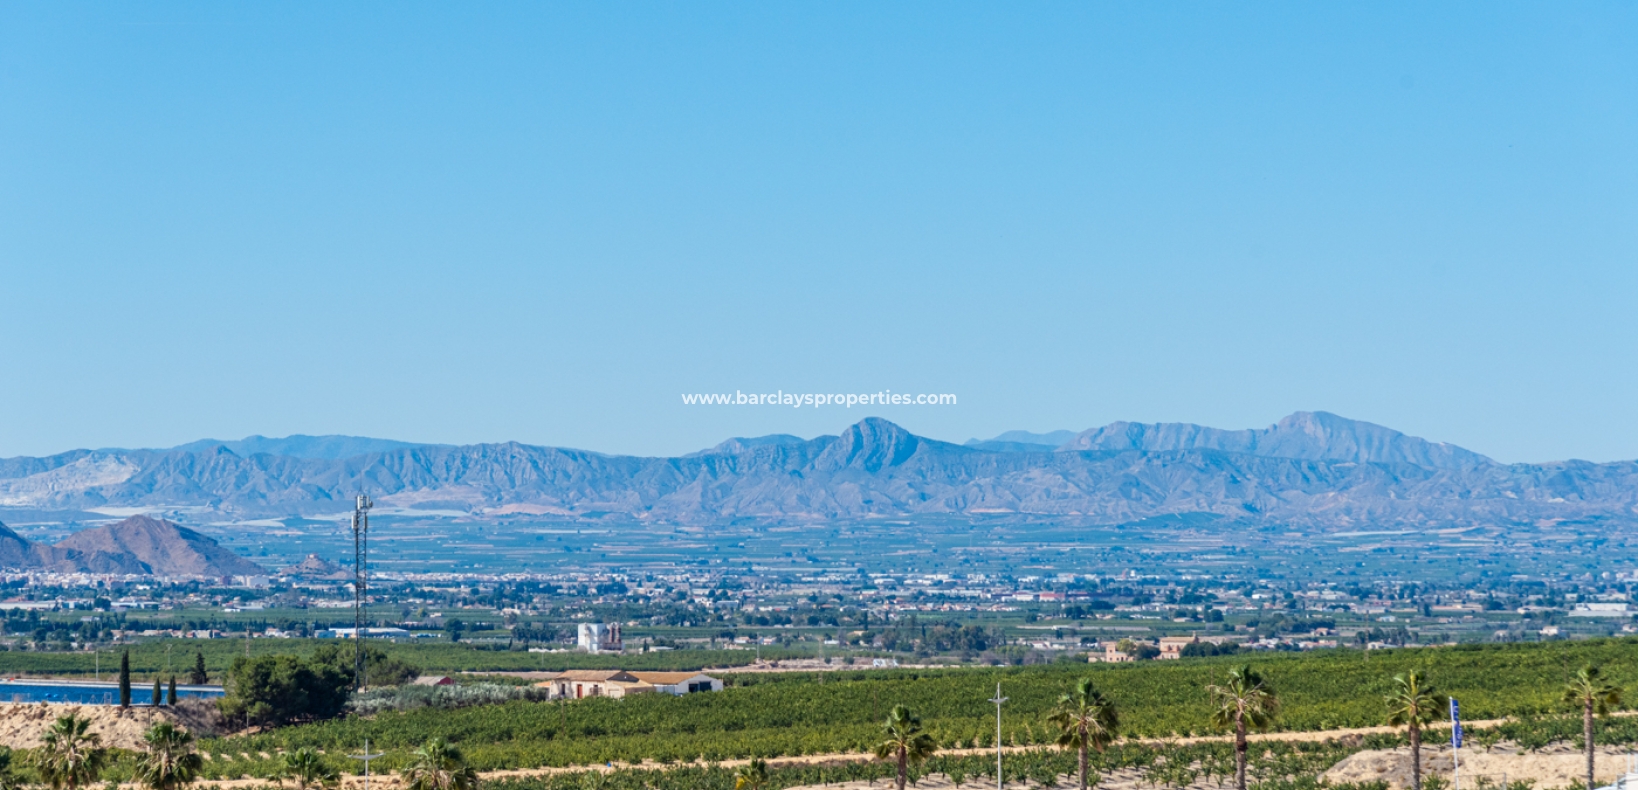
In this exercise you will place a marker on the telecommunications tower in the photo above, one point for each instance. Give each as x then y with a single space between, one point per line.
361 554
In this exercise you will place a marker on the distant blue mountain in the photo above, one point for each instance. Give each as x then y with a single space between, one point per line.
1311 468
329 448
740 444
1022 442
1311 435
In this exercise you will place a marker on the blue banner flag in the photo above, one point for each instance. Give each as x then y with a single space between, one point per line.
1455 724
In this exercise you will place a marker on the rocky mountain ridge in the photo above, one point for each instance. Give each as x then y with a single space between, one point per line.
1311 469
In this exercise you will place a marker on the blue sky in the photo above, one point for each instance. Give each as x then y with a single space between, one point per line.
545 222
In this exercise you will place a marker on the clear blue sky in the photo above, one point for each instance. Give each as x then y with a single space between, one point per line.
545 222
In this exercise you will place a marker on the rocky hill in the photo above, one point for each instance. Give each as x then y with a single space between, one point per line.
138 545
162 547
316 568
1312 469
18 553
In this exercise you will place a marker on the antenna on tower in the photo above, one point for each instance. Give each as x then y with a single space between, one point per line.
361 554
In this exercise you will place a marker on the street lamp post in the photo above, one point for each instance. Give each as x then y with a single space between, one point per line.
998 700
366 757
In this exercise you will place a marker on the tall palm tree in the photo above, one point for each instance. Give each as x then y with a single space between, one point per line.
306 767
1085 720
71 756
1245 702
1590 692
905 743
439 765
753 776
1414 703
168 761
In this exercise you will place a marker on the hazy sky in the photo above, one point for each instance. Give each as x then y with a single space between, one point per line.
545 222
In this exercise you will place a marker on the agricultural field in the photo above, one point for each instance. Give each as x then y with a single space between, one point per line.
768 715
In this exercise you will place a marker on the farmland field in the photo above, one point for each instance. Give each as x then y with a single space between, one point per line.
794 714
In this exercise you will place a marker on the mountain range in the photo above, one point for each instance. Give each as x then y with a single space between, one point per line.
1311 468
138 545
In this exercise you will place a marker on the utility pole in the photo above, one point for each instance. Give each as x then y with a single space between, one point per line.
361 552
998 700
366 757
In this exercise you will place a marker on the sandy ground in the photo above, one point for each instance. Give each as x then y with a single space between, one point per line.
1555 766
22 723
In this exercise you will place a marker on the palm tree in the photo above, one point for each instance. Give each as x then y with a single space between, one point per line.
440 766
752 777
1245 701
1085 720
905 743
70 755
306 767
8 774
168 761
1414 704
1590 692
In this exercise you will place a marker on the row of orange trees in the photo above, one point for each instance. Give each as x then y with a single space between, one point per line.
773 715
1087 720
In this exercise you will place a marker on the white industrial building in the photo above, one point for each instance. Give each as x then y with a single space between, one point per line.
600 638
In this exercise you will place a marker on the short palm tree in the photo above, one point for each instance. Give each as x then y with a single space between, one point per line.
1413 703
753 776
1085 720
1245 702
8 772
307 769
1594 695
70 756
439 765
168 761
906 743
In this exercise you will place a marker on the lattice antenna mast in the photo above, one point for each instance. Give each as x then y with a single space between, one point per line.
361 555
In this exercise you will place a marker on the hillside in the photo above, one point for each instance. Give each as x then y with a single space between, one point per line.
328 447
164 548
137 545
1311 469
18 552
1314 436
